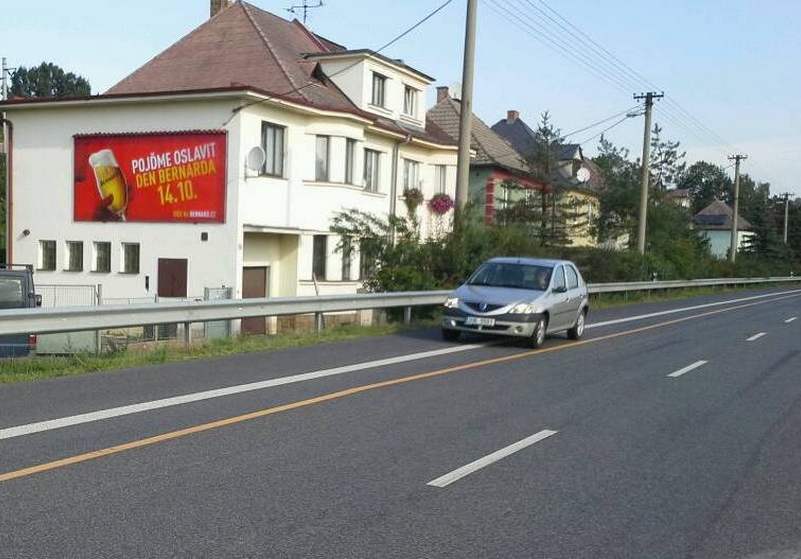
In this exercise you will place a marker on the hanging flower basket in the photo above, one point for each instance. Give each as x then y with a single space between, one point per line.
440 203
412 197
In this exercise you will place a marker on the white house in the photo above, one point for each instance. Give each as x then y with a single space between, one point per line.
715 224
158 186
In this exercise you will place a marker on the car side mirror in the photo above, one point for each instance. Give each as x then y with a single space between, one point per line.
560 289
38 300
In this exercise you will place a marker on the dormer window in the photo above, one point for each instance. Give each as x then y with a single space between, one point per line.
379 90
410 101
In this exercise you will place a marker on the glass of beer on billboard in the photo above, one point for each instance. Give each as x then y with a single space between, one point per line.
110 180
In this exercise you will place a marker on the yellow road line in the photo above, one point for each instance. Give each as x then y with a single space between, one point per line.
47 466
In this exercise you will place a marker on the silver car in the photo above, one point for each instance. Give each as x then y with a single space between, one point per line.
521 297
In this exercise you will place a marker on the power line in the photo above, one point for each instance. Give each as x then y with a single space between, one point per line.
515 17
605 130
593 125
602 62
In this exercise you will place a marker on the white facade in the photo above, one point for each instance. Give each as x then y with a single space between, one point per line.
270 222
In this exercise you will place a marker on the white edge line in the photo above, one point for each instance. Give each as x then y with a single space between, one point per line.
756 336
791 319
468 469
688 368
31 428
685 309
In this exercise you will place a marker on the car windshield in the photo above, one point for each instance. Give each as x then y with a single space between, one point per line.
11 296
513 275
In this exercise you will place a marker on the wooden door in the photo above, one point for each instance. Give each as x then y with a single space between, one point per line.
172 273
254 284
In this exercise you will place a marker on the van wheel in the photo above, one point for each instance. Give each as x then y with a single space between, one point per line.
450 335
577 331
538 337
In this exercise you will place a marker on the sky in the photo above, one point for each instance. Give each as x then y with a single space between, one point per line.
729 69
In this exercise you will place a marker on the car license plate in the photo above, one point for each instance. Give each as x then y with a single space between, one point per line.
479 321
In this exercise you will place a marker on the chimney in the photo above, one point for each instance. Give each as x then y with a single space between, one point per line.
218 5
443 93
512 116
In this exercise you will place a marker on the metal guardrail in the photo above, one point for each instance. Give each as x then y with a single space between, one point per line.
72 319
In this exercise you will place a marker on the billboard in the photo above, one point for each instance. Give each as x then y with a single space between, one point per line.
175 177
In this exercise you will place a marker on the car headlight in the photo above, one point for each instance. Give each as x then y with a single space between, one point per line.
522 308
451 302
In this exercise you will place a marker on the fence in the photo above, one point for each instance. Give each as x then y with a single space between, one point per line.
54 296
71 319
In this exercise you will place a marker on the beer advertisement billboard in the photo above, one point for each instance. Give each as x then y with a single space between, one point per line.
154 177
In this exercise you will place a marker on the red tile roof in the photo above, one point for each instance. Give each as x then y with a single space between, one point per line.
244 46
241 45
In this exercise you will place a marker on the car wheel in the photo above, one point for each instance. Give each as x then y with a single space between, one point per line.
538 337
450 335
578 328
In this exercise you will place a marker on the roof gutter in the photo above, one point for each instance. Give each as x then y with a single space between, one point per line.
8 146
393 187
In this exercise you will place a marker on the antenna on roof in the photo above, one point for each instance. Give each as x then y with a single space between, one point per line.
305 7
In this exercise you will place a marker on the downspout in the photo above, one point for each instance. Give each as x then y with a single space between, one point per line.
393 194
8 129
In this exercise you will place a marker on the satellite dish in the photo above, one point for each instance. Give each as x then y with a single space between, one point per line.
583 174
255 159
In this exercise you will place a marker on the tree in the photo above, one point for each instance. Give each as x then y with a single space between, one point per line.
544 161
706 182
48 80
619 195
667 163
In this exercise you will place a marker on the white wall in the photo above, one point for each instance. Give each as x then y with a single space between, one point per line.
43 198
292 208
356 81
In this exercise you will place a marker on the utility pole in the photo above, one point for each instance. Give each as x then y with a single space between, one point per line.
736 209
646 160
786 214
4 87
466 111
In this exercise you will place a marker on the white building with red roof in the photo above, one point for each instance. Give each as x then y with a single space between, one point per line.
221 162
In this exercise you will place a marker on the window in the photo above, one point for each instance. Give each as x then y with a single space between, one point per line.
74 255
321 158
47 255
409 101
371 169
350 160
440 176
272 140
379 90
367 257
572 277
11 293
101 261
559 277
347 251
411 174
319 256
130 258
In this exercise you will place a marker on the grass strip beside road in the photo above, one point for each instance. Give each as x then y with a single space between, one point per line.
46 366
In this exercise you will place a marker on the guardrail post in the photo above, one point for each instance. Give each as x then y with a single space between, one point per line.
318 322
407 315
187 334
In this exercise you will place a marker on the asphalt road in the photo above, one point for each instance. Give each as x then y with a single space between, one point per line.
672 430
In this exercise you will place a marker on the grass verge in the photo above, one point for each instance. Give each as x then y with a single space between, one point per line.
46 366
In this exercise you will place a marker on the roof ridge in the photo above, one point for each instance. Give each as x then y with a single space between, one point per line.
271 49
311 35
159 55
